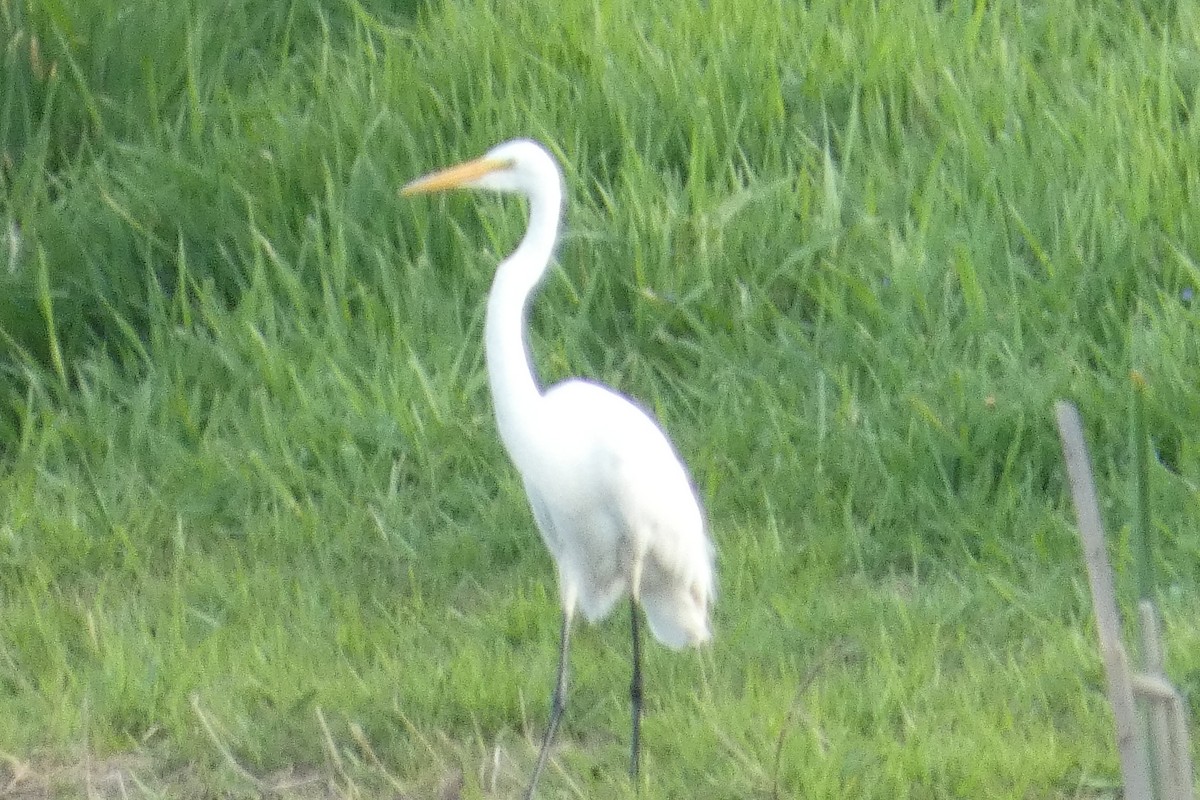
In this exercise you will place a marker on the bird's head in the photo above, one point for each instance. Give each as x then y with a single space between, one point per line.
521 166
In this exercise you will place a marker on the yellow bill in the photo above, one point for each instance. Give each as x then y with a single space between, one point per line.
455 176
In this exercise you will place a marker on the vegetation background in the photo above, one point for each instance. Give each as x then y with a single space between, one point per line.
257 533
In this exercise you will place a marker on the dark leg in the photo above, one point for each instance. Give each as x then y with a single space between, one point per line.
635 692
557 705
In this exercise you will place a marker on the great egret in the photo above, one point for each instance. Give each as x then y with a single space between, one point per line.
611 497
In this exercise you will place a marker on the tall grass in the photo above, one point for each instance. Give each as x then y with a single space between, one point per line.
848 252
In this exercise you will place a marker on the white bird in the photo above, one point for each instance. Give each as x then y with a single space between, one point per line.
610 495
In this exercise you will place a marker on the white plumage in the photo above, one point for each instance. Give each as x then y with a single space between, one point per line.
622 509
611 497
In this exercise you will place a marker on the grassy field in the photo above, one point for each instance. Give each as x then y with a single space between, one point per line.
257 533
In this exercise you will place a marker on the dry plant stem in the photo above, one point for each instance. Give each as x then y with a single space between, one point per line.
558 704
211 730
335 758
1183 747
1135 763
1168 724
364 745
1160 731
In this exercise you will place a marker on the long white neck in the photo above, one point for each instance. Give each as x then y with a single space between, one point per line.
516 395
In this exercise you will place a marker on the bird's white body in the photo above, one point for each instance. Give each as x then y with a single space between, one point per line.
610 495
618 513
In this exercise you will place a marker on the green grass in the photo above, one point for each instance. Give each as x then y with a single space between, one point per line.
256 528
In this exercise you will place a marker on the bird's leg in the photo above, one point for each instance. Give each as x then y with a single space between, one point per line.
557 705
635 692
